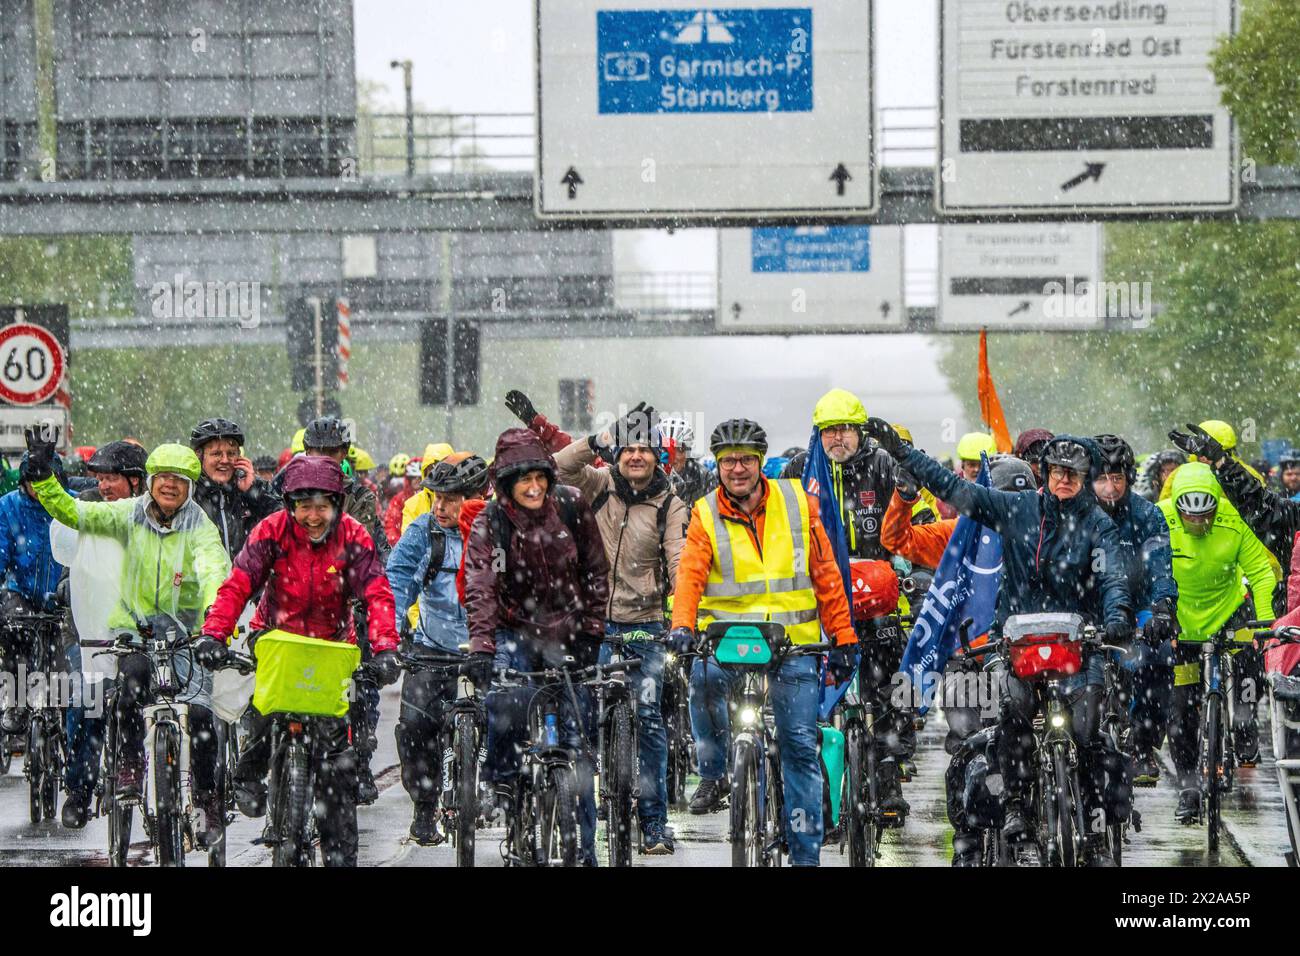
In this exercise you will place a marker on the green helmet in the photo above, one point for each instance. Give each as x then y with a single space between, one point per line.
174 459
1221 432
972 443
838 407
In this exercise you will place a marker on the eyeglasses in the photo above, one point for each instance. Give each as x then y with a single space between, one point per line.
1061 473
838 429
734 462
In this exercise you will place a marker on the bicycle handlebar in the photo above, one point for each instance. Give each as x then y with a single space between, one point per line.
1284 635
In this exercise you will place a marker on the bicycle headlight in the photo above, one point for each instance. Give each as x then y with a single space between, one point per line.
748 716
1058 720
670 657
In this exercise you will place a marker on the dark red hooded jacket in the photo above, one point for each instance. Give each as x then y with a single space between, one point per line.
309 588
550 584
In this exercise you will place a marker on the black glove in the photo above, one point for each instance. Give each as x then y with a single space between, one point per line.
520 406
884 435
40 452
479 670
905 483
384 668
634 428
1198 443
210 652
1119 632
841 660
1163 626
680 639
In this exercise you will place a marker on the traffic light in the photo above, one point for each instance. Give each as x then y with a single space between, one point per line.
433 363
300 335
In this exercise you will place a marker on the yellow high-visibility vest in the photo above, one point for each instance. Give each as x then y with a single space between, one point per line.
744 585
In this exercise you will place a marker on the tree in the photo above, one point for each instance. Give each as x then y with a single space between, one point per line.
1259 73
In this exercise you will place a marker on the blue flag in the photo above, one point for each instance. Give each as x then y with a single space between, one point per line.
817 480
965 586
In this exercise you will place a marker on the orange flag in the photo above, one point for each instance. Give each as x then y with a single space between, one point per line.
990 407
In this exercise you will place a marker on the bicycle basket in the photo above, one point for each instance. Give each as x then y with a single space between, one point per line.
742 646
1045 646
303 675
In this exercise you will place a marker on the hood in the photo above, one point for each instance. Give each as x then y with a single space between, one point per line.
516 448
177 459
312 471
434 453
1194 476
1028 437
838 407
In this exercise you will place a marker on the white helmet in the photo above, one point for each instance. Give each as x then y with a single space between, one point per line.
1196 503
678 430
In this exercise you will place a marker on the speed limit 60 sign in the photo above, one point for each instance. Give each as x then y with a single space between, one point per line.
31 364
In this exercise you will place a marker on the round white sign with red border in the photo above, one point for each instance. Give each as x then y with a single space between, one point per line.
31 364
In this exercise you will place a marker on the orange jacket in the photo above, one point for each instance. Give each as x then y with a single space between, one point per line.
697 559
921 544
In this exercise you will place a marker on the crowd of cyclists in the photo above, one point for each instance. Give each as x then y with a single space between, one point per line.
560 552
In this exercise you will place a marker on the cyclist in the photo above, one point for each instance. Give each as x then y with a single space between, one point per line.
332 438
229 489
310 561
536 589
118 469
423 565
1213 548
174 562
755 532
1029 448
1159 467
1289 475
362 465
1144 535
265 467
689 480
643 526
969 448
397 502
422 500
1060 552
31 578
395 481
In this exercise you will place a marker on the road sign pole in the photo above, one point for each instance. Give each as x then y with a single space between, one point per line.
319 362
449 362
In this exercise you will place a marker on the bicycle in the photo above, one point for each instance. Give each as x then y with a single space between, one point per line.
677 725
1284 697
46 746
754 650
167 810
617 747
866 821
542 816
460 744
1043 650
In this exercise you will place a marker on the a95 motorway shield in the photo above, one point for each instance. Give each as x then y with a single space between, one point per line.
663 110
1091 106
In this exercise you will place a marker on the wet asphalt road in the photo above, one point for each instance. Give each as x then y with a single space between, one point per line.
1255 828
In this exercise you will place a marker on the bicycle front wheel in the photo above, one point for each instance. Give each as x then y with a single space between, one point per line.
1213 761
746 807
558 812
1063 798
167 787
54 764
856 810
466 788
293 820
34 767
620 765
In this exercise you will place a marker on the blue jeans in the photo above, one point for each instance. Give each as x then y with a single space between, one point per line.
1152 670
710 689
85 736
793 691
652 743
507 710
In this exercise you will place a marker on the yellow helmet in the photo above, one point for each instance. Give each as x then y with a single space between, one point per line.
972 443
904 432
360 459
1221 432
397 464
434 453
296 446
838 407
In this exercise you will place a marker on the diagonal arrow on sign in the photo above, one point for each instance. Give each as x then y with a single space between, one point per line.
1093 172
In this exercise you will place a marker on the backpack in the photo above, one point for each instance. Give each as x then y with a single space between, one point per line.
437 553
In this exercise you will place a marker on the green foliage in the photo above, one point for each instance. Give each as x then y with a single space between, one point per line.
91 274
1259 73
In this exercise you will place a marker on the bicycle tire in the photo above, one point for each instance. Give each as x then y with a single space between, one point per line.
32 766
1062 807
53 773
1213 758
169 824
855 808
293 825
620 764
746 825
6 754
466 771
558 809
774 830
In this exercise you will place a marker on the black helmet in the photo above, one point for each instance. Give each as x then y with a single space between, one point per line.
1117 456
1290 457
466 476
738 433
326 433
1068 453
119 458
265 463
210 428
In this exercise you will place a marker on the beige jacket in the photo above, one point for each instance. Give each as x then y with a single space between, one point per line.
631 537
